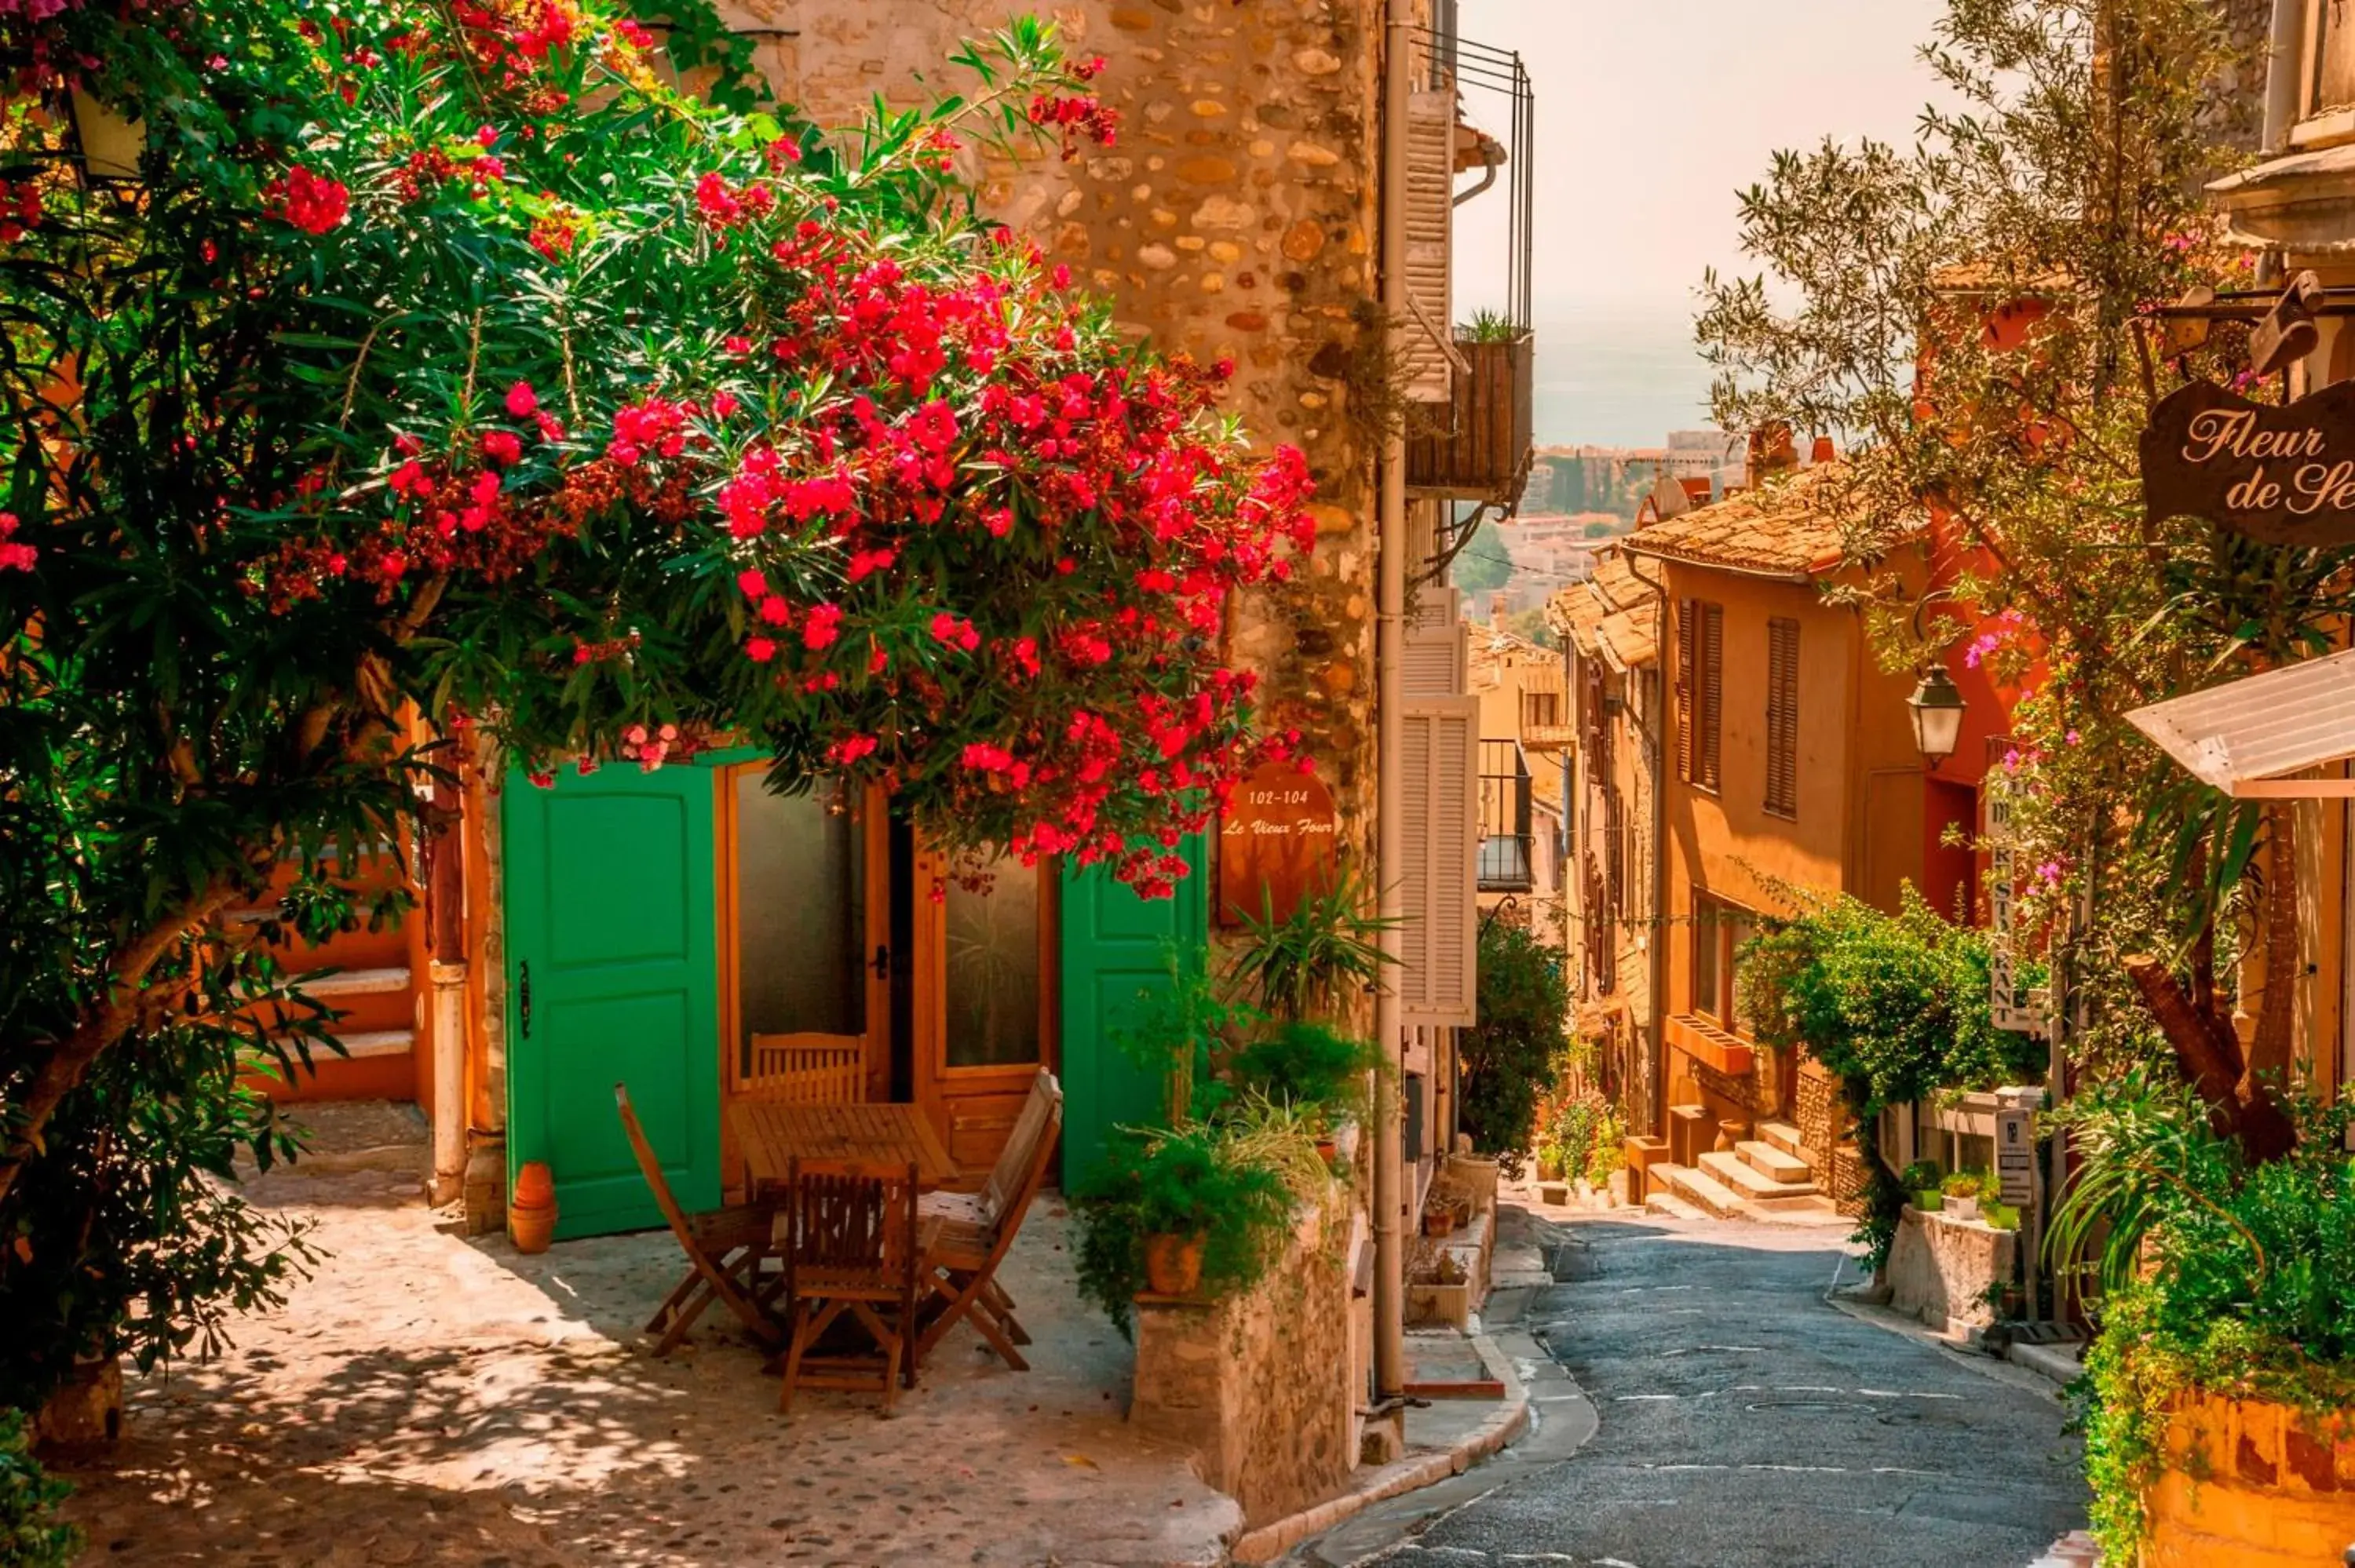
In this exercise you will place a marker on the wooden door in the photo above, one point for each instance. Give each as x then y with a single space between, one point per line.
1116 948
612 976
804 924
984 997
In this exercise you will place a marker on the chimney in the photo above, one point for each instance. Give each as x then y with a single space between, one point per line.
1497 610
1824 452
1771 452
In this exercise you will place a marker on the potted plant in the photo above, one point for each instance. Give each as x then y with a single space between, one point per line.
1181 1213
1921 1181
1310 1066
1962 1191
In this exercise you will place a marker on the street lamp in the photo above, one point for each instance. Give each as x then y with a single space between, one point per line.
109 144
1938 705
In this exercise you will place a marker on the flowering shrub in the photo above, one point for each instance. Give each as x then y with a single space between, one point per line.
449 365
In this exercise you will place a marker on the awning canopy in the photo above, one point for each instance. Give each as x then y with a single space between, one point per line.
2246 738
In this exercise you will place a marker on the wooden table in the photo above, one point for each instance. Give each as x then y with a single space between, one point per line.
773 1134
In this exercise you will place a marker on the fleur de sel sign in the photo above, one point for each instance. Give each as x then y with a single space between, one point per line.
2283 474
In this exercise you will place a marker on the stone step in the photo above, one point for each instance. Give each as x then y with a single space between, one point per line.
1770 1160
1741 1176
1814 1209
1783 1135
1700 1189
359 982
1669 1206
373 1043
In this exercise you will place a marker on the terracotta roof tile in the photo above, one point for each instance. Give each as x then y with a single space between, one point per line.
1792 529
1609 616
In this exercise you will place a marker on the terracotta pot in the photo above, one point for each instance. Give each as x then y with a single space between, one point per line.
1327 1149
2251 1485
1437 1222
531 1212
84 1416
1173 1265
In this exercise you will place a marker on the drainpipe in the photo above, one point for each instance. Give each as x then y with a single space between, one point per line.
1389 847
1655 1093
2282 53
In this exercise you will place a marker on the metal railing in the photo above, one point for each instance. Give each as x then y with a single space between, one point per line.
1507 859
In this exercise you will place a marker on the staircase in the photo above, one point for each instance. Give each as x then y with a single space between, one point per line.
376 988
1764 1178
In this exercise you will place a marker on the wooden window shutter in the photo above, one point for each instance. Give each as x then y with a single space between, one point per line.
1782 717
1687 721
1712 694
1435 659
1430 333
1439 784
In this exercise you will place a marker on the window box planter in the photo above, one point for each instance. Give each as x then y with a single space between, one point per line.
1481 450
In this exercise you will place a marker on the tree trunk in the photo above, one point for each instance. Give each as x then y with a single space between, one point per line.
69 1059
2210 1059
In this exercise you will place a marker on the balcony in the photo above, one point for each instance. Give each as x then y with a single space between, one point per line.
1545 709
1479 445
1508 846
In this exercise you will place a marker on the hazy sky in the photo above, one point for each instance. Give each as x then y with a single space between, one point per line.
1650 116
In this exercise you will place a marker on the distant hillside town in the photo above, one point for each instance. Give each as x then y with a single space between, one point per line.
1577 495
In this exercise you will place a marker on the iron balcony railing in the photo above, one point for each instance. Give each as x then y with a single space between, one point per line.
1508 863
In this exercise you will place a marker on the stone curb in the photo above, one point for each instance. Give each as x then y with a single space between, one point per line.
1269 1541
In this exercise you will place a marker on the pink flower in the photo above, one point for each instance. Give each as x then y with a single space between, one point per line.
865 563
752 583
16 557
312 203
760 649
522 400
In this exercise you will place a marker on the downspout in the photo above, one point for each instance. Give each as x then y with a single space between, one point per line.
2282 52
1656 1048
1390 647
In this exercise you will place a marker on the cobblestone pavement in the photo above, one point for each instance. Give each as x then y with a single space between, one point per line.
1745 1422
431 1400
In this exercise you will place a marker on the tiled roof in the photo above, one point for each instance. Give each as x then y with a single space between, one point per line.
1610 616
1792 529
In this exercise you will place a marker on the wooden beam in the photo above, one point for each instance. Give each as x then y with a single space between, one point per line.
2293 789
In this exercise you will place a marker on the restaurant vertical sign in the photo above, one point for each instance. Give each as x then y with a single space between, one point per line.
2009 1003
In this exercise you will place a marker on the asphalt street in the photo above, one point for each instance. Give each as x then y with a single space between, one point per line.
1747 1423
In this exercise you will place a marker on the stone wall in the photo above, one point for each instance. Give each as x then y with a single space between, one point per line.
1260 1387
1233 219
1939 1270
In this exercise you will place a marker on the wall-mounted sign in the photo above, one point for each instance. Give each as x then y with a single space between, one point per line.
2283 474
2015 1155
1277 842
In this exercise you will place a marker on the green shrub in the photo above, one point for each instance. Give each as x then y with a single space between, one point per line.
1189 1181
1309 1066
30 1535
1922 1176
2219 1275
1513 1057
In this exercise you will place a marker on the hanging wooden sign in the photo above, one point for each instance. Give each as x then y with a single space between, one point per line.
2282 475
1277 842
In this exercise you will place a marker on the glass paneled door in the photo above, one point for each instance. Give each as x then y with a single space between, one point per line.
985 1001
806 927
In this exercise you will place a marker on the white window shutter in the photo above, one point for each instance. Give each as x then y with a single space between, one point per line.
1437 662
1429 331
1439 786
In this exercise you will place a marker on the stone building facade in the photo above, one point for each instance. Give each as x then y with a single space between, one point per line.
1235 218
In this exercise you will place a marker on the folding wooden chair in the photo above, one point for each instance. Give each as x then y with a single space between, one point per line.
724 1249
970 1235
852 1244
802 1071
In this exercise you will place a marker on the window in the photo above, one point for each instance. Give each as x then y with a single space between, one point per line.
1700 690
1540 710
1720 929
2331 82
1782 717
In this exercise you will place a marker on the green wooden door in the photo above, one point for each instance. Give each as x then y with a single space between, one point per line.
1113 947
613 977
